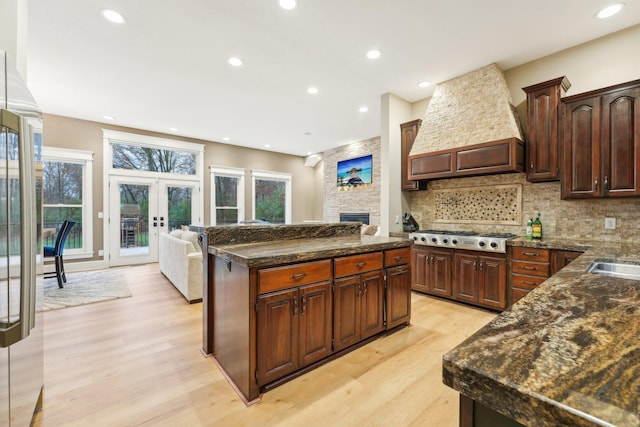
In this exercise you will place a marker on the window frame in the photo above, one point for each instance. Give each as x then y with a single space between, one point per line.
84 158
272 176
215 171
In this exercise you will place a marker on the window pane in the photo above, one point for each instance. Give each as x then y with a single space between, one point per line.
179 207
62 183
226 191
54 216
226 216
134 157
270 200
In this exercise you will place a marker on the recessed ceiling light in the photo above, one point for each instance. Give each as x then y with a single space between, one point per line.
267 145
307 133
108 117
235 61
424 84
173 129
610 10
113 16
373 54
288 4
363 109
312 90
226 138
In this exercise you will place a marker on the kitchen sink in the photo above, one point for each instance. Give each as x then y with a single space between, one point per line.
615 269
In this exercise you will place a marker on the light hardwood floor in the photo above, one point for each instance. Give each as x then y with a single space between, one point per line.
137 362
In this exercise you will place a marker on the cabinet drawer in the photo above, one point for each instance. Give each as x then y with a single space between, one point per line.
349 265
518 294
526 282
397 257
540 269
531 254
288 276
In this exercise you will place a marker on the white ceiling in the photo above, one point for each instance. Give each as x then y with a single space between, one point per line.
167 66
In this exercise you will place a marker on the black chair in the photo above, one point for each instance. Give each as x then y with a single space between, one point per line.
56 252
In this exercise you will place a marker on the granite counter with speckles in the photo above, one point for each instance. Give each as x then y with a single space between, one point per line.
268 245
566 354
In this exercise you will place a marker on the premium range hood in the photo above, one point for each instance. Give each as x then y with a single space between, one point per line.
470 128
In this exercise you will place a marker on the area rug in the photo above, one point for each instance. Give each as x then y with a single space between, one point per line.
84 288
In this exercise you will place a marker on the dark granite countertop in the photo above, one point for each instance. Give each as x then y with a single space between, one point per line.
566 354
275 252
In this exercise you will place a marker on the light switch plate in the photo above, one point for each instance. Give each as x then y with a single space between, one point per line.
610 223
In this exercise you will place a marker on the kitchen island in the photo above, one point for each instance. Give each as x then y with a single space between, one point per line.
280 300
568 353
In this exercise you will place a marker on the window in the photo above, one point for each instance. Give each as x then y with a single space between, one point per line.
271 194
152 159
66 194
227 198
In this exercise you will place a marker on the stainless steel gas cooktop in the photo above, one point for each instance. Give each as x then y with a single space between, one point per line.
469 240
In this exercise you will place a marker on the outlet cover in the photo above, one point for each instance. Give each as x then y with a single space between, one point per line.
610 223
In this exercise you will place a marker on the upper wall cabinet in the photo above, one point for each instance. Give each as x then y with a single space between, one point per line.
409 131
544 130
601 139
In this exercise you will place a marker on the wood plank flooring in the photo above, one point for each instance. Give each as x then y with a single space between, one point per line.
137 362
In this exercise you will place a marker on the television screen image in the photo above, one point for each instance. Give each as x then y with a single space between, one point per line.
355 172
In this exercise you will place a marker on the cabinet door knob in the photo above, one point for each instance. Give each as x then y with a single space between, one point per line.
295 306
304 304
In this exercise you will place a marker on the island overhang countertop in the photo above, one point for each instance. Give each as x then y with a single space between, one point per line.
566 354
275 252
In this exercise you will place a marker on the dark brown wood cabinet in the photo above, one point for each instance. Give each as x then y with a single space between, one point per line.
408 132
560 259
358 308
503 156
529 268
532 266
431 271
480 279
398 296
544 129
294 329
601 139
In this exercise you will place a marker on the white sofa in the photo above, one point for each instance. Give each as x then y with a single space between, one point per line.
180 261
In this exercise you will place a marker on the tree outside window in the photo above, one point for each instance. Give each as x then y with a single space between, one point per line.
270 201
62 199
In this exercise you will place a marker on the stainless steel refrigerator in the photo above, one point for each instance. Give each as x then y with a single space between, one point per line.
21 338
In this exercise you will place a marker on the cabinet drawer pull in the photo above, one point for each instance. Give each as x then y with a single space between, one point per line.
298 276
398 257
528 282
361 264
525 267
530 253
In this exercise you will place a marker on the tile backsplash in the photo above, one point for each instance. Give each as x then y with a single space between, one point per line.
561 219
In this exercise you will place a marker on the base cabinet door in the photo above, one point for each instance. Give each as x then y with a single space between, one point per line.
420 273
440 277
358 308
465 281
431 271
398 302
294 329
372 304
346 311
277 335
492 282
316 308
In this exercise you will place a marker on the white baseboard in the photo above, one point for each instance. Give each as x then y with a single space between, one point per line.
71 267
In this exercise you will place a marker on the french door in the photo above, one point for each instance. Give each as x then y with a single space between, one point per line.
142 208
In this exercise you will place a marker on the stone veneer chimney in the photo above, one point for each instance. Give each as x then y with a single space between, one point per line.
470 109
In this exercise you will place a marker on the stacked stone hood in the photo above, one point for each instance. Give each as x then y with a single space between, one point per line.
471 109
